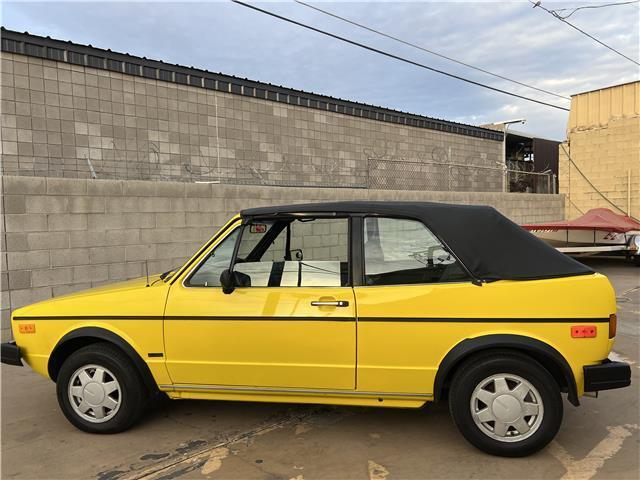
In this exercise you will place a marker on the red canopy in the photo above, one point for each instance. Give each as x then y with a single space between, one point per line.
594 219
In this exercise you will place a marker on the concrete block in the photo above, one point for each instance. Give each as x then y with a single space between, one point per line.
15 242
64 186
47 204
121 204
139 188
104 187
14 204
176 219
59 290
47 240
28 260
90 273
67 221
25 222
19 279
87 239
140 252
129 236
154 204
51 276
23 185
87 204
106 255
69 257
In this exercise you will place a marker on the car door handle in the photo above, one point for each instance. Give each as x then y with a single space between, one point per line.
330 303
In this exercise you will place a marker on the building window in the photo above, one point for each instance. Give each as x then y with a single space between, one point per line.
114 65
181 78
223 86
55 54
148 72
75 57
195 80
235 88
131 68
165 75
10 46
272 95
95 62
261 92
210 83
34 50
283 97
247 91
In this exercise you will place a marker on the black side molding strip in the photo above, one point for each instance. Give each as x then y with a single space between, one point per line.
482 320
324 319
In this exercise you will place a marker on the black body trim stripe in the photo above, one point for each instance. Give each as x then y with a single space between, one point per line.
328 319
481 320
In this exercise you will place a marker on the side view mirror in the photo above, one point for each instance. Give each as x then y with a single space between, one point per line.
227 282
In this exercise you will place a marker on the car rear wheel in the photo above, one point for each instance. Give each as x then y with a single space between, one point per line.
99 391
506 404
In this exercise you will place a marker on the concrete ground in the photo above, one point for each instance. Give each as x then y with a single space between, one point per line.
191 439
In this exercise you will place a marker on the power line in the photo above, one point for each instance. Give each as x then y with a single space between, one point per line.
574 10
413 45
551 12
395 57
604 197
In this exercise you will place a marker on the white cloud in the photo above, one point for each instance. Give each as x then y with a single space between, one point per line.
510 38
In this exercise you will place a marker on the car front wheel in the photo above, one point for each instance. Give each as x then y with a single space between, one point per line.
98 389
506 405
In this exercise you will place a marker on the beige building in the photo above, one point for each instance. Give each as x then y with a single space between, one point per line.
600 161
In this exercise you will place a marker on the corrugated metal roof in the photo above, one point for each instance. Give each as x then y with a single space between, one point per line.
597 108
89 56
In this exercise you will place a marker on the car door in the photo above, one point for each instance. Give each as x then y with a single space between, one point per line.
289 323
411 287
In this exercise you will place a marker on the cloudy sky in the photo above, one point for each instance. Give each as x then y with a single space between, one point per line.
509 38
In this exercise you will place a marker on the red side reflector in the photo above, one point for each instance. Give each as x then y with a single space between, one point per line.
613 325
584 331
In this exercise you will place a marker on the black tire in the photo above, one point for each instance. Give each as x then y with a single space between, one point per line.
131 393
473 372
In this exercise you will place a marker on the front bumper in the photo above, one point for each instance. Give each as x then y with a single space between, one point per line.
606 376
10 354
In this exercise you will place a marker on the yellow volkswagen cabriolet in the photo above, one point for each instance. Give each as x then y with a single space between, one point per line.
352 303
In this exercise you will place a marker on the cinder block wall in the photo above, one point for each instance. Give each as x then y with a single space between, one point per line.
604 143
62 235
62 120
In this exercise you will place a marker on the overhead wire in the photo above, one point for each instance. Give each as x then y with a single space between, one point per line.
395 57
577 9
587 34
426 50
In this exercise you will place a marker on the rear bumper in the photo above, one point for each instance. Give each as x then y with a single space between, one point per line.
10 354
606 376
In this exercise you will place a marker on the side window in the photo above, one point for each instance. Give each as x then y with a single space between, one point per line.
401 252
294 253
208 273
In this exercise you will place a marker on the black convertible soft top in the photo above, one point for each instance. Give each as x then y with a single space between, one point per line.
490 246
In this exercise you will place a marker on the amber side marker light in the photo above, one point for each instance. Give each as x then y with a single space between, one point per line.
27 328
613 325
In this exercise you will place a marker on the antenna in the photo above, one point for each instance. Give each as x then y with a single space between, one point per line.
146 267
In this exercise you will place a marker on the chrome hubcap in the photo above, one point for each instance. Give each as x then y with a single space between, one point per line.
506 407
94 393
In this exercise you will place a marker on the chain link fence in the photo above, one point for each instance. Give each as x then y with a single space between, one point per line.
381 174
451 177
